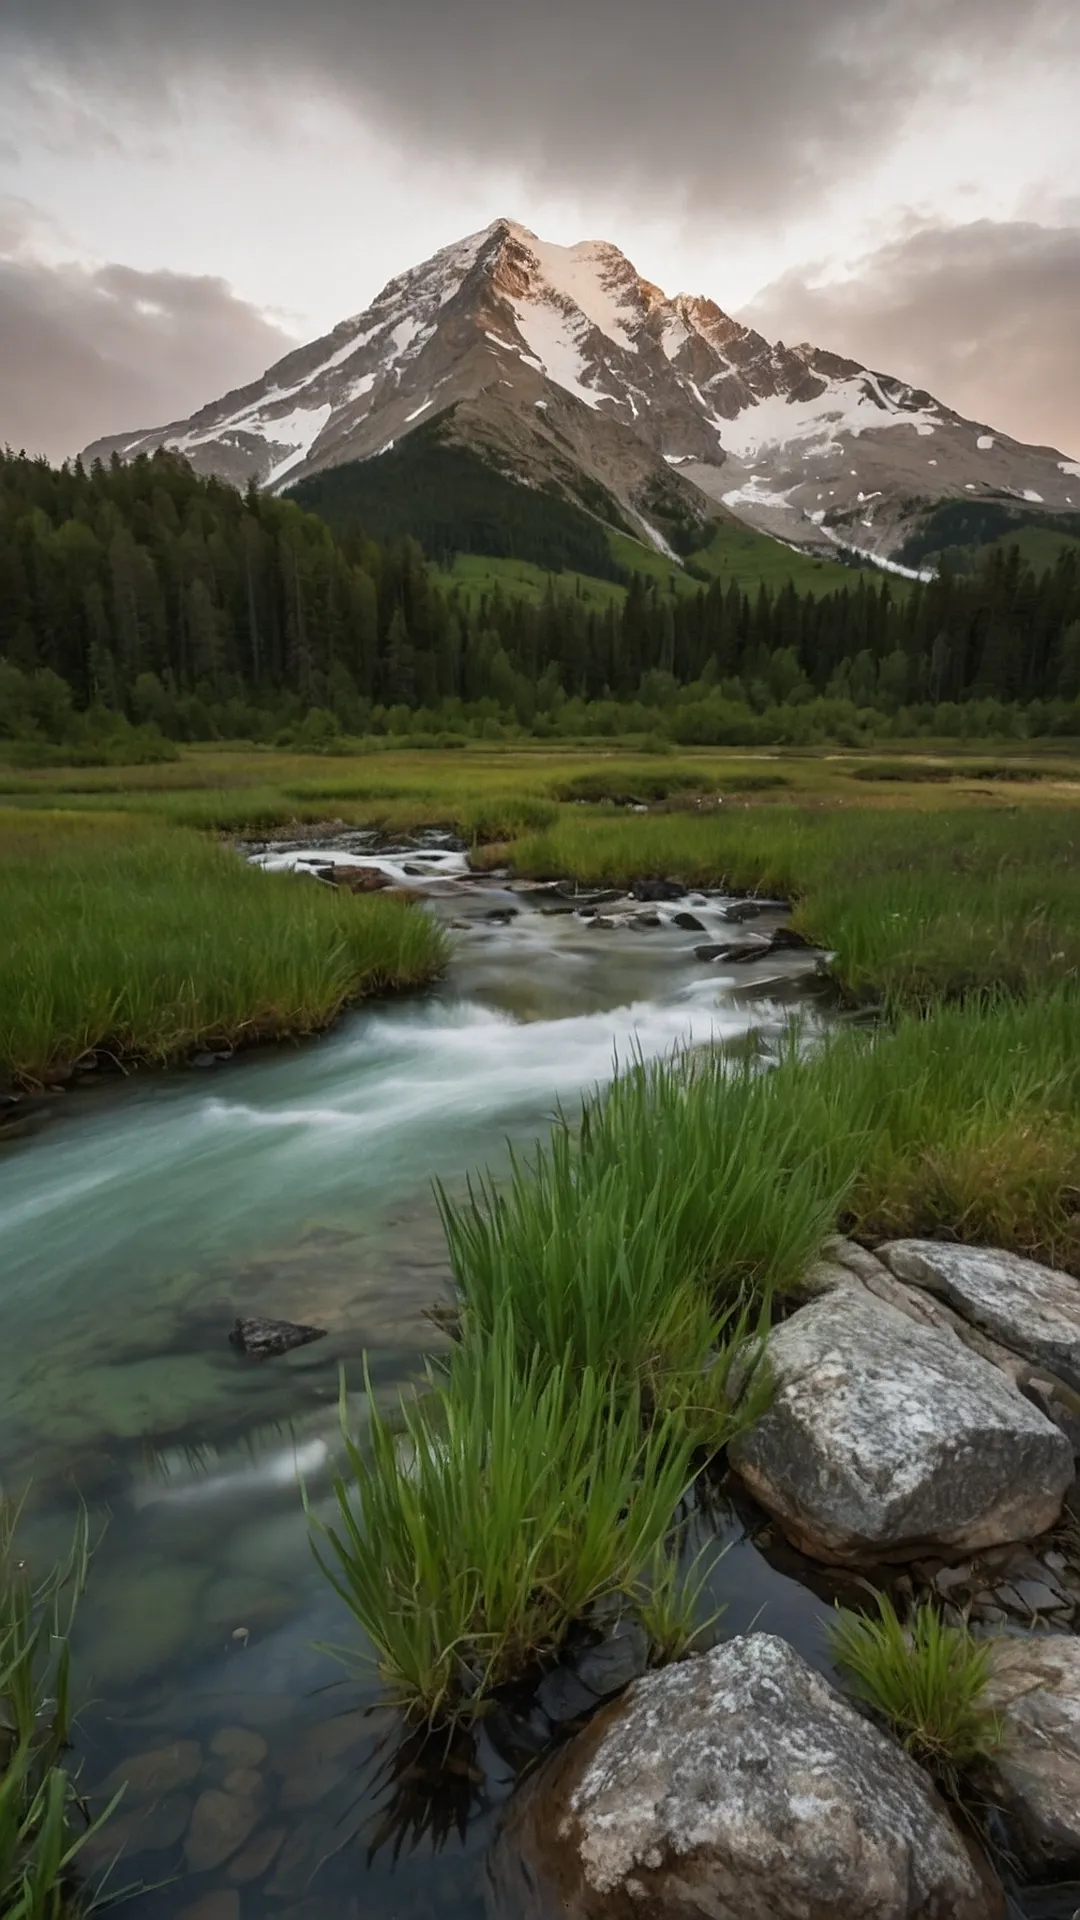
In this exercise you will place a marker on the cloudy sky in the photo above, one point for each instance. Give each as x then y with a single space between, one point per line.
189 186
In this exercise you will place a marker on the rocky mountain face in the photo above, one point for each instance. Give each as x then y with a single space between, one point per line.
567 370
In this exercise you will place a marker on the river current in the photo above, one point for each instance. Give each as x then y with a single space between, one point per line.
149 1212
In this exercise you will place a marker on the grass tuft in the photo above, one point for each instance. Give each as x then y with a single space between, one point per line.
42 1827
926 1679
497 1510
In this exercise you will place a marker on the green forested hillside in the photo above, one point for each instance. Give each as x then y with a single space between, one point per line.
143 597
452 501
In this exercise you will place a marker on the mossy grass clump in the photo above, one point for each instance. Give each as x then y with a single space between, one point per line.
145 942
926 1679
42 1824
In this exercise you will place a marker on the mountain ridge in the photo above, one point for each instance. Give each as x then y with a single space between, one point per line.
568 370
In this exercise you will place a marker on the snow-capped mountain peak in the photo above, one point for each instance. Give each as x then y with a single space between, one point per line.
568 363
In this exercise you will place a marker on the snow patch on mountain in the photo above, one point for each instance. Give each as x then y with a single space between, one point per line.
592 277
757 491
851 406
298 431
1070 466
555 340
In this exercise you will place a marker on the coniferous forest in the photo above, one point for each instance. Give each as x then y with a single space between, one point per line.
145 598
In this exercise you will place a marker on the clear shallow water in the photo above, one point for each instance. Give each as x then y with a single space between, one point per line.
139 1222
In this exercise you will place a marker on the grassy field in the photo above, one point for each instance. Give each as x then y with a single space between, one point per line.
735 554
140 942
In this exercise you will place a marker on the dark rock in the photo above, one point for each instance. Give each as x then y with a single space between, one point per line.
689 922
785 939
735 952
1038 1597
610 1666
745 909
653 890
564 1697
364 879
261 1339
501 916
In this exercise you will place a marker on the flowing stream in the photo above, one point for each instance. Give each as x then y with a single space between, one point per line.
141 1219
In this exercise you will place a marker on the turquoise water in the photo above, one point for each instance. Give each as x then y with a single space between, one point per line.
134 1227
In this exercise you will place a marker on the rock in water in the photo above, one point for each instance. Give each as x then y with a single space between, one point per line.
1035 1778
260 1339
735 1786
887 1439
1033 1309
360 879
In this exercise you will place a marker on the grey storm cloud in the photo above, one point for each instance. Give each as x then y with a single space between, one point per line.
987 316
89 352
743 105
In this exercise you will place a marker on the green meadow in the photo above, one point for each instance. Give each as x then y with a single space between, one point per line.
615 1290
141 942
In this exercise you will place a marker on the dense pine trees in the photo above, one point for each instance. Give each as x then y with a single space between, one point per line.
178 604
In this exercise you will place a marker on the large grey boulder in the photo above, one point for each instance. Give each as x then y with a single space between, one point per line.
1034 1310
1035 1777
736 1786
886 1439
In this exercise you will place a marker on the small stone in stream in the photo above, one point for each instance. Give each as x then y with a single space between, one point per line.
611 1665
783 938
744 909
258 1856
949 1578
240 1745
688 922
361 879
222 1904
261 1339
1038 1597
735 952
150 1829
563 1697
219 1826
646 920
501 916
161 1770
243 1781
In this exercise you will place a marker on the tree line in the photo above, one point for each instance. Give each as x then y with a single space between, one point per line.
146 596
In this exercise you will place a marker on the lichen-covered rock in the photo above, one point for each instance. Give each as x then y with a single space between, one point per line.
1035 1777
886 1439
736 1786
1034 1310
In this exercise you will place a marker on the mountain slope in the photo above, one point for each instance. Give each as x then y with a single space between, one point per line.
565 370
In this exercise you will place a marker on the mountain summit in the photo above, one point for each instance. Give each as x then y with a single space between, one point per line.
564 369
